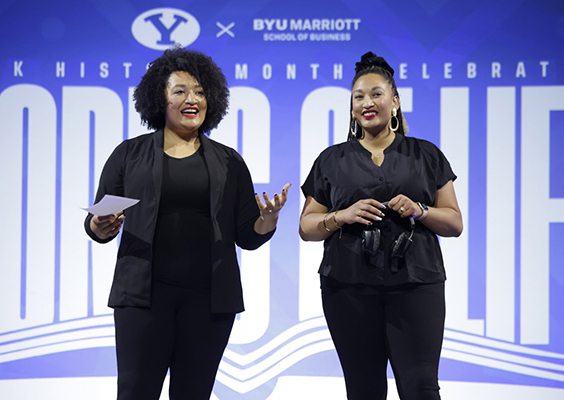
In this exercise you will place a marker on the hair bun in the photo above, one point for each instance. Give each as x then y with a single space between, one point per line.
370 60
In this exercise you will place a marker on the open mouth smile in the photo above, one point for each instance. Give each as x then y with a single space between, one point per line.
190 112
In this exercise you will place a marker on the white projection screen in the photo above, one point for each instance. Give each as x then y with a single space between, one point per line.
483 80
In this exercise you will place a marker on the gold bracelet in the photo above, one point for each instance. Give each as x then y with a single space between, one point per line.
335 220
337 225
325 223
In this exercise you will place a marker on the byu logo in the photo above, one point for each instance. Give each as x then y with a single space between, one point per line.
161 28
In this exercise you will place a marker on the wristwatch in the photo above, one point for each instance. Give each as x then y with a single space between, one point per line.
424 210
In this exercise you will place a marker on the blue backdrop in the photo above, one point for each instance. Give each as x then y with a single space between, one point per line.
484 80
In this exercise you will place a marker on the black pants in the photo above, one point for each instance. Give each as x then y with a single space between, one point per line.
177 332
402 326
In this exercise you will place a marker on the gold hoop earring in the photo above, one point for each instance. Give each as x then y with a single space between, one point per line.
394 116
353 123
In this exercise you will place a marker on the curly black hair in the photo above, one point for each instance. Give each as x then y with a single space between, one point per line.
150 98
370 63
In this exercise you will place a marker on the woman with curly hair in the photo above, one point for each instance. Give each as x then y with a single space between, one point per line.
177 286
382 273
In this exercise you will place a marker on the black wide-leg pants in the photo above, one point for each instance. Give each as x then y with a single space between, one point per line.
403 326
178 332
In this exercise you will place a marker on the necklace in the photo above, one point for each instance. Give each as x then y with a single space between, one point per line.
376 158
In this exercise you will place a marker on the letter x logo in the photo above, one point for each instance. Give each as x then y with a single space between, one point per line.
225 29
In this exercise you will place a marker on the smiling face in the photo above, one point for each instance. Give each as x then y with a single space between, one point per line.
186 104
372 103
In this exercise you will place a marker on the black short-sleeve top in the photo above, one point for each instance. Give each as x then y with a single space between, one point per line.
345 173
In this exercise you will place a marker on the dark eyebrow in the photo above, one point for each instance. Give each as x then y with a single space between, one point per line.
198 86
374 88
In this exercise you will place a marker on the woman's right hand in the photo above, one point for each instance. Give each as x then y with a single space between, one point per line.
364 211
317 223
107 226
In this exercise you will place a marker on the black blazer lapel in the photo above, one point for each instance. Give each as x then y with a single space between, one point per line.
217 171
158 146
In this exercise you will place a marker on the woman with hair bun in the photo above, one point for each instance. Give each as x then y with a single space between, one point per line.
176 286
378 201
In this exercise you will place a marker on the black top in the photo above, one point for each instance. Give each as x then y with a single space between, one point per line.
181 246
345 173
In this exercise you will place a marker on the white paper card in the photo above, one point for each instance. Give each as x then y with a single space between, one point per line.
111 205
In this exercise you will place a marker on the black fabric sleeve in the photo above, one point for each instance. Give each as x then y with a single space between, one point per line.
443 171
247 212
111 182
317 185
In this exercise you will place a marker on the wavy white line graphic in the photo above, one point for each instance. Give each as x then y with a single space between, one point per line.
245 372
274 358
244 359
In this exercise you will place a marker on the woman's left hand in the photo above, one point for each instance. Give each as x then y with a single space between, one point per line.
405 207
444 217
270 208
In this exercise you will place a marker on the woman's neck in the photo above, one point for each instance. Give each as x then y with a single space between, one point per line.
379 141
180 145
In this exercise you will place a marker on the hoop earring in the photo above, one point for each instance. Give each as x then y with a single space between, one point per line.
394 115
353 123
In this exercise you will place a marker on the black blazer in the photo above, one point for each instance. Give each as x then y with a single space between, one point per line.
135 170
